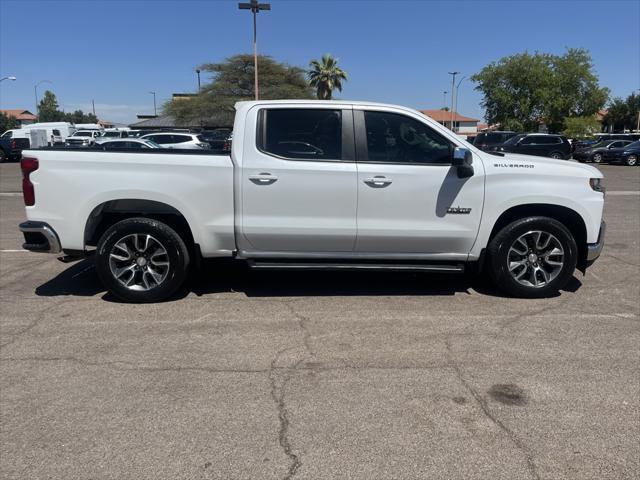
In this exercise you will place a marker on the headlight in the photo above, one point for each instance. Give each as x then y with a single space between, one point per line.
597 184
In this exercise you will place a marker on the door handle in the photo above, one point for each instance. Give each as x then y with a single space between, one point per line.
263 178
379 181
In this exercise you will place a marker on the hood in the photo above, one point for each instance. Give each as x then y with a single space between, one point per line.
581 169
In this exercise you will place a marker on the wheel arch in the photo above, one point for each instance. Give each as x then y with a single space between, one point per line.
565 215
110 212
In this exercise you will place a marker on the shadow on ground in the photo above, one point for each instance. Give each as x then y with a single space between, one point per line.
81 279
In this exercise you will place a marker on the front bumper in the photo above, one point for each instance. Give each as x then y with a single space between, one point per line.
594 249
40 237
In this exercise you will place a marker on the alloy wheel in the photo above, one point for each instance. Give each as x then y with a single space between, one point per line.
632 160
535 259
597 158
139 262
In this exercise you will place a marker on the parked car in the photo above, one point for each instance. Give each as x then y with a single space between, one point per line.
126 144
540 144
82 138
488 140
296 193
601 151
112 133
138 133
11 148
218 139
181 140
629 155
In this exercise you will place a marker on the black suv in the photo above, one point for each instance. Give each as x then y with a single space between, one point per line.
488 140
540 144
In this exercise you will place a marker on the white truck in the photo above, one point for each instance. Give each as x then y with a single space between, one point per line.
317 185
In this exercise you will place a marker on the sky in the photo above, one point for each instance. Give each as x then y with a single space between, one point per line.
115 52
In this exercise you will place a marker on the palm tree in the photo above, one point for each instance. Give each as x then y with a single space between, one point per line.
325 75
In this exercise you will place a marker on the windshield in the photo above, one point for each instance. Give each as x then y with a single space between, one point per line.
635 144
601 144
152 143
111 134
82 134
514 140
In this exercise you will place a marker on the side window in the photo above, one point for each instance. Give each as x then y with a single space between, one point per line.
304 134
163 139
396 138
181 138
528 141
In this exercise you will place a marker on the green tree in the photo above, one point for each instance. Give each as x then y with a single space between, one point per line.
523 90
7 122
233 81
48 108
580 127
79 117
325 76
623 114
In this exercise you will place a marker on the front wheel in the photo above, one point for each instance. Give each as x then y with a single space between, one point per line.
532 257
597 158
142 260
556 155
631 160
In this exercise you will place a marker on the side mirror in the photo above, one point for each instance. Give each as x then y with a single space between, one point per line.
463 162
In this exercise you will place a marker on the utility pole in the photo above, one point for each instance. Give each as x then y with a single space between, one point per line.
255 8
444 98
455 105
93 106
453 89
198 73
155 112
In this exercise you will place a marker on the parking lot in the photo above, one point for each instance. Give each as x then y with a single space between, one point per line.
259 375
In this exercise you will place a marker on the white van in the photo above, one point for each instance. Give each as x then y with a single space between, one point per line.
57 132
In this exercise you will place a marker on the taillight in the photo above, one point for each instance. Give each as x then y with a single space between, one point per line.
13 144
28 165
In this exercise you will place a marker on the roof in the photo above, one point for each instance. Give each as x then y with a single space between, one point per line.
445 116
19 114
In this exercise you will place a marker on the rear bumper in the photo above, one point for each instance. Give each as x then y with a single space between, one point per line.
40 237
594 249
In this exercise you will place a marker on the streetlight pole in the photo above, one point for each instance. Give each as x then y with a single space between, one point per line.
155 112
35 91
198 73
10 77
255 8
444 98
453 89
458 91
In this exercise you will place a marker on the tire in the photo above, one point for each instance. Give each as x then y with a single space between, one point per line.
151 259
3 156
631 160
556 155
502 256
596 158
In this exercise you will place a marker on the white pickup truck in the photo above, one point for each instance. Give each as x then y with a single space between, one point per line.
317 185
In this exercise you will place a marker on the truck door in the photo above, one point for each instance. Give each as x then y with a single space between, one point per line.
410 199
298 180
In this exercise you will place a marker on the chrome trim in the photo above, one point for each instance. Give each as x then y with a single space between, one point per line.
594 249
48 233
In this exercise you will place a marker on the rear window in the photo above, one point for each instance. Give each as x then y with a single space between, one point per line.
56 132
305 134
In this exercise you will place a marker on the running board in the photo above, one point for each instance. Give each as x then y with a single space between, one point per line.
422 267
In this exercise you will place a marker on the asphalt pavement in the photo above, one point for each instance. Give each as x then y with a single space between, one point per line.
258 375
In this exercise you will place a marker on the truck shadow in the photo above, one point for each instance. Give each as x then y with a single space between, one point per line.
81 279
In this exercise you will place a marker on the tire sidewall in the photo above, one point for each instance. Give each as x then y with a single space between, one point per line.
597 158
176 251
631 164
501 243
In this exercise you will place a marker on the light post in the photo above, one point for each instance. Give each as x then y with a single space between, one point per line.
198 73
10 77
458 91
453 89
35 91
155 112
444 98
255 8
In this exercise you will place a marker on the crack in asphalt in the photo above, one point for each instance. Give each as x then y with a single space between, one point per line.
485 409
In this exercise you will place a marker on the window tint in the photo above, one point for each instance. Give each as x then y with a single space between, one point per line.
7 135
180 138
162 139
306 134
529 141
617 144
56 132
395 138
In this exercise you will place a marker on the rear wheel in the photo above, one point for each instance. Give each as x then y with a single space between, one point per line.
3 156
142 260
597 158
532 257
631 160
556 155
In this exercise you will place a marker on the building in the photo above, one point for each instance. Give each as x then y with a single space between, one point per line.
461 124
24 117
